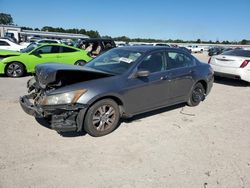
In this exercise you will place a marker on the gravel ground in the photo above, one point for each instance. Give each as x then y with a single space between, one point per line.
205 146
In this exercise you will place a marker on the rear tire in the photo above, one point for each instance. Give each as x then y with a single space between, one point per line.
80 63
15 69
102 118
197 95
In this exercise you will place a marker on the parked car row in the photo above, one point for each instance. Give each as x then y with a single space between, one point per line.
110 81
109 87
217 50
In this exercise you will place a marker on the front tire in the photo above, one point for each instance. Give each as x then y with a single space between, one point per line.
102 118
197 95
15 69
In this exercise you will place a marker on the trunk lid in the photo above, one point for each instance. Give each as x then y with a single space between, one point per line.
228 61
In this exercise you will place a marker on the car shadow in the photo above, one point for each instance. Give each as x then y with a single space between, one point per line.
135 118
26 75
46 124
72 134
231 82
153 113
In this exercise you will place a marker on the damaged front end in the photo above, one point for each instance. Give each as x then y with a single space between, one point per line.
62 110
62 117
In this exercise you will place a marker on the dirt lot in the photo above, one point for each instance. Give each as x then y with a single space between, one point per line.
206 146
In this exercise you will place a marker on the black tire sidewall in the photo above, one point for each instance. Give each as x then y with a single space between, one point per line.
191 102
88 125
19 64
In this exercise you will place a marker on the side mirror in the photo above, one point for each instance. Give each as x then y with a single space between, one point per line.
142 73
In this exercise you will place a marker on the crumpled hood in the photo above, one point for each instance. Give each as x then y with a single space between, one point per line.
57 74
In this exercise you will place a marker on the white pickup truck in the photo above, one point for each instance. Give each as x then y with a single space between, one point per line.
195 49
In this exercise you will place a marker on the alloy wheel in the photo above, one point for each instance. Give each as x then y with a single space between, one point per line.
14 70
104 117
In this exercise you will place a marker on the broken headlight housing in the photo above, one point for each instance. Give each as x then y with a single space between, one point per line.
63 98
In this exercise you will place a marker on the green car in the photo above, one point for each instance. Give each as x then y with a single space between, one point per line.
16 64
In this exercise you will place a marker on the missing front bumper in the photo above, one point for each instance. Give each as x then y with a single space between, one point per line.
29 107
63 118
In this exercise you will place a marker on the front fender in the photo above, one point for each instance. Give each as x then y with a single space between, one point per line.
92 100
2 67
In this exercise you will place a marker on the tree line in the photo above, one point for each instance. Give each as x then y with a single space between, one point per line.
198 41
7 19
90 33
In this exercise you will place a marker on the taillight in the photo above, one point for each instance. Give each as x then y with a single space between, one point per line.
244 64
209 60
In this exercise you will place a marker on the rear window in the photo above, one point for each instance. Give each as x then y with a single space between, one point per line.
65 50
47 41
242 53
3 43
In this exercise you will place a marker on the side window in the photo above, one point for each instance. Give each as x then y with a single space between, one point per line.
178 60
65 50
3 43
48 49
153 62
44 50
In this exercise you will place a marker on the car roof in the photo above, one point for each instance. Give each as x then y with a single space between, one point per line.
97 39
55 44
145 48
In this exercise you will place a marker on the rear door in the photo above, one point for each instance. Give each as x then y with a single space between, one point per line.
68 55
181 68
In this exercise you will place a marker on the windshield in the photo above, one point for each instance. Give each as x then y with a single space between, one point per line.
115 61
242 53
29 48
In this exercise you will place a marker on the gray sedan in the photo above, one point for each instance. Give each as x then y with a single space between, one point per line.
122 82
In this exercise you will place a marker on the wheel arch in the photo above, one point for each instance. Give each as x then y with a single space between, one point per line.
82 114
113 97
204 84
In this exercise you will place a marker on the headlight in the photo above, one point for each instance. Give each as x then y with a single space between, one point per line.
64 98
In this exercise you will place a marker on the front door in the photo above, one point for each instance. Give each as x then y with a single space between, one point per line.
44 54
146 93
